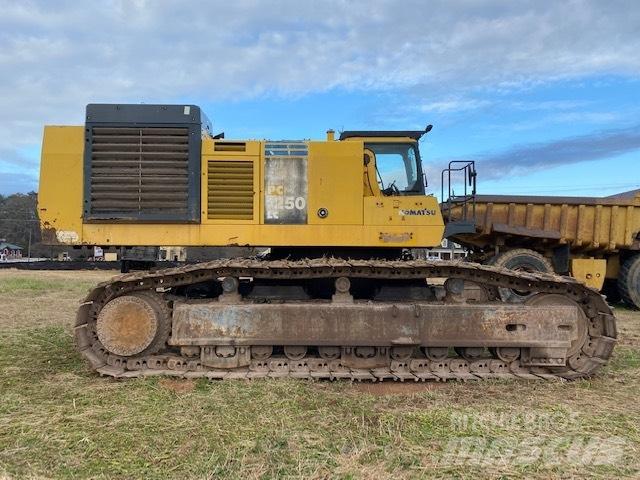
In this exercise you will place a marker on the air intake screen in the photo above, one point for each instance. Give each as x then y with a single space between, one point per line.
139 171
230 191
230 147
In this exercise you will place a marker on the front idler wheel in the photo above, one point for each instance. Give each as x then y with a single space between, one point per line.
582 328
133 325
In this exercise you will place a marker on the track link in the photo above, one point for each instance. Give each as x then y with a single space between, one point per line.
594 352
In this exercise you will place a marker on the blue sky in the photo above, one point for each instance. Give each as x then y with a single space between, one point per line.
545 96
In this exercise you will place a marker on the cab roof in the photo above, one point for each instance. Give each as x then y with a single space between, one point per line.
414 134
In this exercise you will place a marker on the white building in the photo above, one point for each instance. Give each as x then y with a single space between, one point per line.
446 251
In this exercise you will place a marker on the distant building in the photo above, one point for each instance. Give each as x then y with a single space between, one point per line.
446 251
173 254
9 251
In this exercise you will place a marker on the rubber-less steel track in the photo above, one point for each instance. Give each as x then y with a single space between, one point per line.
594 352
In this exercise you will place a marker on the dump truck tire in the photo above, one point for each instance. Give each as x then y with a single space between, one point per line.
611 290
521 260
629 282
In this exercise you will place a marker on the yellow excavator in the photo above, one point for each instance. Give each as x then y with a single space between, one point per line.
337 296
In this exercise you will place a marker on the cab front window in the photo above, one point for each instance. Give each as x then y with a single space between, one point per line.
397 168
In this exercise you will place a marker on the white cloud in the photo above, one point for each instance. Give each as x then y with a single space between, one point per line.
454 105
554 105
57 56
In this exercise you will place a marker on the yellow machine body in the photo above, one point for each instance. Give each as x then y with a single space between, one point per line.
343 208
157 176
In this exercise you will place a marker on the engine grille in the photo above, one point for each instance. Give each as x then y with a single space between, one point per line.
230 190
139 171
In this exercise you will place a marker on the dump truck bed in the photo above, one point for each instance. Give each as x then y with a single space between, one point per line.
590 225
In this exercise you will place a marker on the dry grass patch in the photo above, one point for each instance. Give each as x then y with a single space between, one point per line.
59 420
40 298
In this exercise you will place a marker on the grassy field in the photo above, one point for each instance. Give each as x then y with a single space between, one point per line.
58 420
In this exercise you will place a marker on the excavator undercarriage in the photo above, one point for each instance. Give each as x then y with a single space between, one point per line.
450 325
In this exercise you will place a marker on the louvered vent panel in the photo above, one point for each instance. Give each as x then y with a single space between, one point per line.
230 191
139 171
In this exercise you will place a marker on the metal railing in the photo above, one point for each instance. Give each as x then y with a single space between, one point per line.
465 203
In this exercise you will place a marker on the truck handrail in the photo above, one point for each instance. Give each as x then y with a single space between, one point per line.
467 201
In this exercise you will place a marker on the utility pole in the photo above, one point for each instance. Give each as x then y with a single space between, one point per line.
29 247
28 214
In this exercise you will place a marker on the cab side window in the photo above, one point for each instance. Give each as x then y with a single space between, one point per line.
397 167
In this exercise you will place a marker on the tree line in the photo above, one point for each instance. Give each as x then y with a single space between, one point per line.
19 222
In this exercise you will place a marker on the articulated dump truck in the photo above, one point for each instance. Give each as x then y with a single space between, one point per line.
337 296
594 239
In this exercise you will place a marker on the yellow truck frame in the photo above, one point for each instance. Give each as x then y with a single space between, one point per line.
596 240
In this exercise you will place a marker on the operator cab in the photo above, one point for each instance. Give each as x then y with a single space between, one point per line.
397 168
393 158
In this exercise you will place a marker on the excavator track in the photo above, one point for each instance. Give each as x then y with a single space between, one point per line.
157 291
